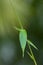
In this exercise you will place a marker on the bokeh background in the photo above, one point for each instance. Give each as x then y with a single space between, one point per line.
30 13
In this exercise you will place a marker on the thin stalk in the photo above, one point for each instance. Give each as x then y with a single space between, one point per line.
19 21
17 29
33 58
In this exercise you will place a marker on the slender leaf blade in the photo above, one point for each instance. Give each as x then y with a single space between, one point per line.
23 40
30 43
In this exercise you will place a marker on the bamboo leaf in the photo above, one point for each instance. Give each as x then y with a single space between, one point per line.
23 40
30 43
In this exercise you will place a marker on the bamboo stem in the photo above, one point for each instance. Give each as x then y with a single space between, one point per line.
19 21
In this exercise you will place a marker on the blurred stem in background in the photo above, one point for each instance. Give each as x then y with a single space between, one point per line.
16 14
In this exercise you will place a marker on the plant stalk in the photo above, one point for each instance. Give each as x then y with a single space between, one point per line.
33 58
19 21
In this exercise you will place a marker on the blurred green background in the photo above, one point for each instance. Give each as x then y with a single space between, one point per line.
30 13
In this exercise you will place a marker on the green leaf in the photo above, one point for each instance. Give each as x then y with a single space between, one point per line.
30 43
23 39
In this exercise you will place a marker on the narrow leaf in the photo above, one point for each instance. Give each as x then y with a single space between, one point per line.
29 42
23 40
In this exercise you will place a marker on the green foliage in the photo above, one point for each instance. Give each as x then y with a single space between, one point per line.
30 43
23 39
